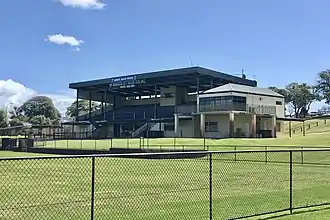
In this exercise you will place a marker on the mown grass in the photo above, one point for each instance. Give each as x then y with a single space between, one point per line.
312 140
160 189
243 183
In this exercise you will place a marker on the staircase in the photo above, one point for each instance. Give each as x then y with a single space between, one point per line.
146 126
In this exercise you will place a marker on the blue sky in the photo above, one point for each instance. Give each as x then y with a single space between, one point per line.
275 41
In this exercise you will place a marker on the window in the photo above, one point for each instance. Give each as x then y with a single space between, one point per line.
169 127
211 126
279 103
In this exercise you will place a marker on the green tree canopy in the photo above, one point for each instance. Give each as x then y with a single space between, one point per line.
323 85
3 118
83 108
298 97
37 110
283 92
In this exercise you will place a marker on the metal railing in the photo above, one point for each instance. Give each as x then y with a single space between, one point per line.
194 185
261 109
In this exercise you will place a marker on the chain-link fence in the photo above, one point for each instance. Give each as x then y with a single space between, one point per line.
195 185
159 144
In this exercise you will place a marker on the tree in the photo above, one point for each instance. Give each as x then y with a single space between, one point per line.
37 110
40 105
16 122
300 97
323 85
40 120
3 118
83 108
17 117
283 92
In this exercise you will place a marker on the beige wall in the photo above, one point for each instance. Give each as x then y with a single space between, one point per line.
240 121
256 100
185 128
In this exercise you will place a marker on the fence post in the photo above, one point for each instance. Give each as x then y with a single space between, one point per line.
110 143
95 144
93 188
235 149
302 156
127 142
210 185
266 155
204 142
291 182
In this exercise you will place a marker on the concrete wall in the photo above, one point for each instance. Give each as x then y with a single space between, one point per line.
241 121
185 129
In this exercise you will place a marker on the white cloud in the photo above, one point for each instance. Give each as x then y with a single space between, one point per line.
14 94
86 4
62 39
76 49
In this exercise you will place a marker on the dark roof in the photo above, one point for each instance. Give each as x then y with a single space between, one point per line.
231 87
144 83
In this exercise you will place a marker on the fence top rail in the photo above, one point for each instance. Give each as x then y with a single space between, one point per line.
132 155
242 146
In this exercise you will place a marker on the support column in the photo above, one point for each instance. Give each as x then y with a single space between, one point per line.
114 108
274 126
231 124
290 134
102 106
155 110
90 107
202 125
77 105
176 125
304 129
105 98
254 126
197 95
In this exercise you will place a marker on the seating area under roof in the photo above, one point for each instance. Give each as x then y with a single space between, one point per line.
193 78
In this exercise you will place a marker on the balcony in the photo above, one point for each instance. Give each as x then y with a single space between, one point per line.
261 109
186 109
257 109
223 107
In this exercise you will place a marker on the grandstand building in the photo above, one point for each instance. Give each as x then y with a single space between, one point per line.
188 102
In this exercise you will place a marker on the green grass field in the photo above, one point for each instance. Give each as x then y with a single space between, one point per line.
167 189
159 189
323 140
